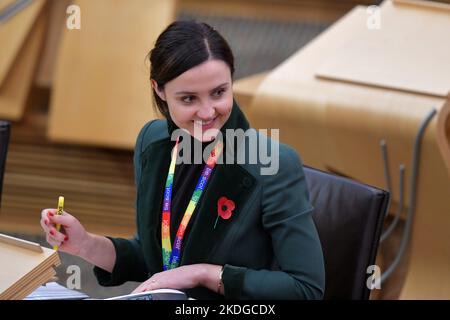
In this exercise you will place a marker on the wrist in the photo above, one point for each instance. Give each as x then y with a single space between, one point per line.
220 287
210 276
86 245
203 275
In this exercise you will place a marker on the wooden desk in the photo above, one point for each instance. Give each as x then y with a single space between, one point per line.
338 125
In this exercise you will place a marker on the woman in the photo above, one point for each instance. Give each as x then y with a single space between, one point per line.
212 229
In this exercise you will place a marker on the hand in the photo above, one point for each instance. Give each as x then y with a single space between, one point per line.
72 237
184 277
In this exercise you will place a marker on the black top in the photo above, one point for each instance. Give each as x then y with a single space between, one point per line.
184 182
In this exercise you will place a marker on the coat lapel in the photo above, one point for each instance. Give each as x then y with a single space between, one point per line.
150 194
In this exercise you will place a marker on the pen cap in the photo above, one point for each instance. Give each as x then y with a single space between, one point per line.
60 204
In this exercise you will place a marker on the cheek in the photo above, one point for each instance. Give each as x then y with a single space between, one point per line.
180 113
224 106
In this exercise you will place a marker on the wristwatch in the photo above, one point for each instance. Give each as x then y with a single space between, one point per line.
220 284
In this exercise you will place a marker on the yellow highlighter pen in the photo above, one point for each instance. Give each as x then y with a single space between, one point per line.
59 212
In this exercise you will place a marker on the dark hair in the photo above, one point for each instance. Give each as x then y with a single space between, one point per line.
182 46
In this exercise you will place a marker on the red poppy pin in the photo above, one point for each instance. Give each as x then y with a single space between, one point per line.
225 209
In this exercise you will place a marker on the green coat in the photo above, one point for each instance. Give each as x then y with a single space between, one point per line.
269 247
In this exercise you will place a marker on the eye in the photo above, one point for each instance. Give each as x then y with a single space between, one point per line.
188 99
219 92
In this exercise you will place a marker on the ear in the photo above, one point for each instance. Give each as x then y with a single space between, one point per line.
158 91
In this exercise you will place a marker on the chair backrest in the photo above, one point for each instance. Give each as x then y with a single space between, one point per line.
349 217
4 140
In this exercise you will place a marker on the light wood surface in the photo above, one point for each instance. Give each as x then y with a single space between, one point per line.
13 35
338 126
20 243
287 10
416 61
16 86
424 4
102 93
5 3
56 25
244 89
23 270
443 133
28 288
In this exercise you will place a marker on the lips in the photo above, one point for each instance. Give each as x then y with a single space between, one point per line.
207 124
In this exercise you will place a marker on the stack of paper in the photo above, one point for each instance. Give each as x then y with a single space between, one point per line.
24 267
55 291
158 294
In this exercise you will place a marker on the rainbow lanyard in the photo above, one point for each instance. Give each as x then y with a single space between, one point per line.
171 256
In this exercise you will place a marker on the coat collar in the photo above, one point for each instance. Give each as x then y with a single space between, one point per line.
228 180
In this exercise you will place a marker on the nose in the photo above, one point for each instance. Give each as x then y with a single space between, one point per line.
206 112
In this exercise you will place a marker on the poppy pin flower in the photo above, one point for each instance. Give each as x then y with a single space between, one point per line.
212 160
225 209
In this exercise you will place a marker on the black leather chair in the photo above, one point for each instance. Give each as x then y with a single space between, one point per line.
349 217
4 140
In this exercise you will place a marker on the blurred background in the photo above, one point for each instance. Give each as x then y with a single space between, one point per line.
74 85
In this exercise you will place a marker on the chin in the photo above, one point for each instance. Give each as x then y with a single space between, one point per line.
205 136
208 139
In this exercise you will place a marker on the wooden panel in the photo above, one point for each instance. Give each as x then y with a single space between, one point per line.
14 33
412 55
306 10
244 89
15 89
56 24
102 94
443 133
425 4
5 3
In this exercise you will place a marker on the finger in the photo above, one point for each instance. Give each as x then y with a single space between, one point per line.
52 241
65 219
45 216
139 288
56 235
151 284
45 224
145 286
154 284
46 212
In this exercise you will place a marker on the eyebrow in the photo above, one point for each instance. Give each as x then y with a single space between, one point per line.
192 93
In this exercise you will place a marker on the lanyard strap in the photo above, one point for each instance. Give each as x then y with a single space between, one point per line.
171 256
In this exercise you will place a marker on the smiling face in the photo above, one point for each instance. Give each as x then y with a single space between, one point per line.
200 100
